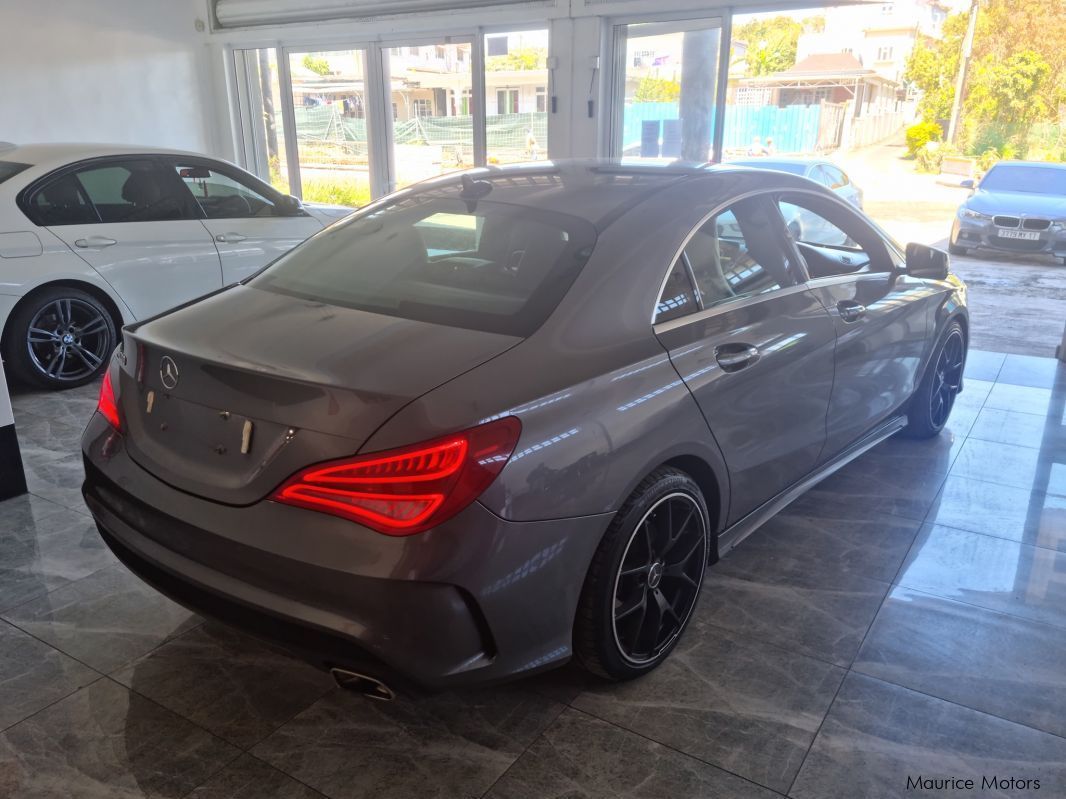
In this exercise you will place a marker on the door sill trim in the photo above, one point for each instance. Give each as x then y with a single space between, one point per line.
741 529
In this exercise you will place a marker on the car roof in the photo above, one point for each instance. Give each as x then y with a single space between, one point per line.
1042 164
598 190
60 153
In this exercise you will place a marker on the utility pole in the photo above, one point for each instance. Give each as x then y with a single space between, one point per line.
964 63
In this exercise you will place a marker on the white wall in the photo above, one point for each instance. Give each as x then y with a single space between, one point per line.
129 71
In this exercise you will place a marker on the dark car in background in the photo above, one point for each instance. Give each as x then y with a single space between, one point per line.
1018 206
496 420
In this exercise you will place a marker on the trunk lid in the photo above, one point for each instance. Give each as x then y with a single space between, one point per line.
229 396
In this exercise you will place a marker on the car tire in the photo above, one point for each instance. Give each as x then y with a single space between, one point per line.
931 404
955 249
60 337
657 547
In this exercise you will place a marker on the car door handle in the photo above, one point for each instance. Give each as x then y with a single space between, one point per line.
734 357
94 242
230 238
851 311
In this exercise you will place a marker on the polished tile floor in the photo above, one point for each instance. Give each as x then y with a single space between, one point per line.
905 619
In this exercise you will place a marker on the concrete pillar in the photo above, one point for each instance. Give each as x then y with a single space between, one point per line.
12 475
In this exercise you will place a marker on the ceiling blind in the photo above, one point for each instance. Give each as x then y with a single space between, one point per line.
245 13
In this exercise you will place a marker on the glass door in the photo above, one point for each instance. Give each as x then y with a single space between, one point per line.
666 82
329 106
430 86
516 96
259 102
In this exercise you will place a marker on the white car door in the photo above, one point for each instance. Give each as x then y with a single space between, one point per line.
131 220
250 223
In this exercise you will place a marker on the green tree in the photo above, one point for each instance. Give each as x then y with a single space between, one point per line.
524 58
1009 91
657 90
933 67
772 42
316 64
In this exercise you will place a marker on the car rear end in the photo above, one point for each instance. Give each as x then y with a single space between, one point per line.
226 464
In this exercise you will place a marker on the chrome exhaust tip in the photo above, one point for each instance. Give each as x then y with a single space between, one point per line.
370 687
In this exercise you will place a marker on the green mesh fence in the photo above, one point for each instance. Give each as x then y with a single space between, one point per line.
507 135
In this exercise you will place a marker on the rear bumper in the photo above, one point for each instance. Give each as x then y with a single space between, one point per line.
980 234
479 599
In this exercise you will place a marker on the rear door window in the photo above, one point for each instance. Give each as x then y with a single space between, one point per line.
133 191
481 265
740 253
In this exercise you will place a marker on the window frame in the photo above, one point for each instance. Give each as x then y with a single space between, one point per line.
784 241
23 199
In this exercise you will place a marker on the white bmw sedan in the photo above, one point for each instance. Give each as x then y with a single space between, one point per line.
96 236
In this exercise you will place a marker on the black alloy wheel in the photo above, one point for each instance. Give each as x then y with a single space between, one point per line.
659 577
645 578
947 379
932 402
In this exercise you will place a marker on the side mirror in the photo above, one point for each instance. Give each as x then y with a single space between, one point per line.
969 183
927 262
289 205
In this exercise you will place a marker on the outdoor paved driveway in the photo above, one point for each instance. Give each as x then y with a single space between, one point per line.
1017 303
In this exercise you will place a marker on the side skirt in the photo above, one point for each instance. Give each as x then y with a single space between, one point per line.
741 529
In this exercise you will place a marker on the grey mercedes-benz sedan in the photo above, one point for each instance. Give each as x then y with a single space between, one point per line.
501 419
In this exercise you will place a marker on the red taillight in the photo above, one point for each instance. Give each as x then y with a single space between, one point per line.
106 405
408 490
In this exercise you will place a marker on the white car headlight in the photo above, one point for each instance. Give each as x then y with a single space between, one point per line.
968 214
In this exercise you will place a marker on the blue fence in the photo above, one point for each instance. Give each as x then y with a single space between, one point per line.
793 128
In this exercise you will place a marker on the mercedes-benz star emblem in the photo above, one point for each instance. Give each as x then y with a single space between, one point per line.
168 373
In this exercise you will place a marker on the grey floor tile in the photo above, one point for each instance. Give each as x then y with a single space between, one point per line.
1022 429
1003 665
1029 370
745 706
249 778
57 479
814 541
988 572
105 620
772 595
227 683
1011 465
983 365
579 757
886 483
1023 399
445 745
33 675
43 554
877 735
41 438
105 743
26 510
1021 514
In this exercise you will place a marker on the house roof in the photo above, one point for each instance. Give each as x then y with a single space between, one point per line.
832 63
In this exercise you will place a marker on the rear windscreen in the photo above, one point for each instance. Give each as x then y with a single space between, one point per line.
483 265
8 169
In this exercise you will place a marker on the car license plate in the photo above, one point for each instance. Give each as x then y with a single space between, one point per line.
1028 235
